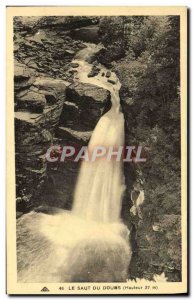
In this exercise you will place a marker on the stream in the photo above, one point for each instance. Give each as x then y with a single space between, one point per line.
100 184
90 243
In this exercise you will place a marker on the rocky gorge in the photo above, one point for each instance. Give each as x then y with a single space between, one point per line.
53 107
49 108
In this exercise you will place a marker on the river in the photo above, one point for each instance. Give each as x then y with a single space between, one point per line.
90 243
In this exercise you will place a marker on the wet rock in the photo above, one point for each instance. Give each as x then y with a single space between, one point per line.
92 101
87 94
108 74
95 71
72 71
69 52
111 81
74 65
95 63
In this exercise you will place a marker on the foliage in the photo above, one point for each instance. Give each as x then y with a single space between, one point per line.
150 95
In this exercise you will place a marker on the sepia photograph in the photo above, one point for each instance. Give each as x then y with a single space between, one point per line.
97 150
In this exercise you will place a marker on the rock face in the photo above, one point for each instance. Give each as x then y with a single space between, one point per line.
87 94
23 76
83 106
35 121
68 134
42 60
86 34
48 52
33 101
49 109
89 102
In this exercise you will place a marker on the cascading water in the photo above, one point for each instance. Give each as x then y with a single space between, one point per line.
89 244
100 183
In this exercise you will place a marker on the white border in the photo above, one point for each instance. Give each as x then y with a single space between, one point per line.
4 3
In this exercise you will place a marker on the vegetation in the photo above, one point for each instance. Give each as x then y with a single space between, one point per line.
150 76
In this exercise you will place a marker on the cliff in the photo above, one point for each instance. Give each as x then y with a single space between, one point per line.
49 110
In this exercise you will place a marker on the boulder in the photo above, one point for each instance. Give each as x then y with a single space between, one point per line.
74 65
85 94
92 102
111 81
72 71
23 76
70 114
50 83
53 89
79 137
69 52
32 101
108 74
95 71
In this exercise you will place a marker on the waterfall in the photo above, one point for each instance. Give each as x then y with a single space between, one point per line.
100 184
89 244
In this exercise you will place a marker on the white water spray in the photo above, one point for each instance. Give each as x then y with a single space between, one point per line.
100 184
